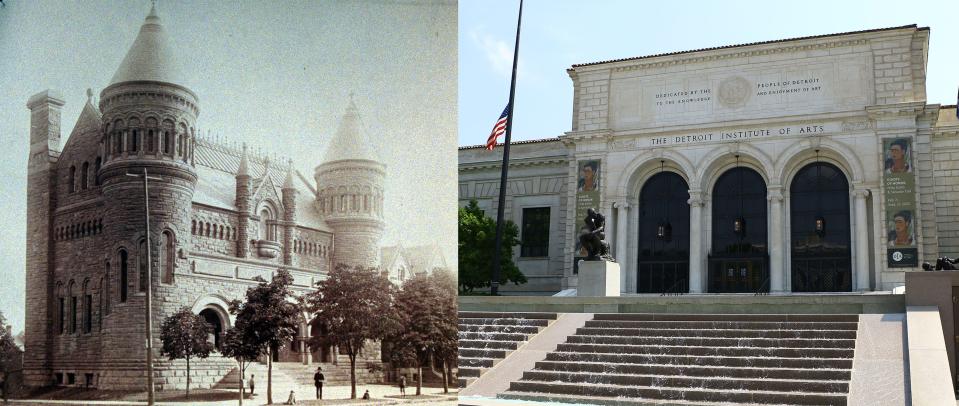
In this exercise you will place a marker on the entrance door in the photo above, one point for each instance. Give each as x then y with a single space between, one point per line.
738 259
821 260
663 235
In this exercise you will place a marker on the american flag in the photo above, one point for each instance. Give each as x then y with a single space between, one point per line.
498 129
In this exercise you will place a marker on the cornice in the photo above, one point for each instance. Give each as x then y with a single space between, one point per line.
515 163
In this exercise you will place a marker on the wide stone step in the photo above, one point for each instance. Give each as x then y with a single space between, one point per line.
708 351
482 353
487 328
506 315
712 341
504 322
727 361
550 398
749 325
469 371
492 336
476 362
725 384
463 382
499 345
694 394
696 370
725 333
848 318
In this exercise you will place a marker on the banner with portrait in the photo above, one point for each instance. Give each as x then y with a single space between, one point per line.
587 195
899 185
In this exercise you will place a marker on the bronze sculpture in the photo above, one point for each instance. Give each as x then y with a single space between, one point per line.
942 264
593 237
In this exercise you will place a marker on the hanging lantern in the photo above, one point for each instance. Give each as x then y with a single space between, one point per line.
739 226
664 231
820 226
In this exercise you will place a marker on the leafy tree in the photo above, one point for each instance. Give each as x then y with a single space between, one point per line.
185 336
447 348
356 306
477 241
428 311
268 318
238 344
10 354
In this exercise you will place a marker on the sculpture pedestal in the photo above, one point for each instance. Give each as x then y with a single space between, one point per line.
598 278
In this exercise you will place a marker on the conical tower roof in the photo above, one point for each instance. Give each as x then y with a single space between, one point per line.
350 140
151 57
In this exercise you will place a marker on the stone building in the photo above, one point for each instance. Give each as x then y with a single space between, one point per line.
219 217
801 165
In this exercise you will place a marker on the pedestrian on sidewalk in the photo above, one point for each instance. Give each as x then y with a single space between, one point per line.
403 385
318 382
252 385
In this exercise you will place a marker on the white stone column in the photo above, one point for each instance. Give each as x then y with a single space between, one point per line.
777 239
862 240
697 273
622 248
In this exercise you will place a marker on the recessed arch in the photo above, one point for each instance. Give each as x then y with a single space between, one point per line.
647 164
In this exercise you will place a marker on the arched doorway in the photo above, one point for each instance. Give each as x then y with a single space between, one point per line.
739 260
323 353
663 260
821 258
214 320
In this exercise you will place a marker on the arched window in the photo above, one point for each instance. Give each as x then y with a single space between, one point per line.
151 141
73 179
61 309
167 143
72 294
193 227
106 293
134 141
142 265
267 224
87 308
83 175
124 276
167 258
96 170
100 308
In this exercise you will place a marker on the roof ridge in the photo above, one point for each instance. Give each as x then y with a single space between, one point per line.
747 44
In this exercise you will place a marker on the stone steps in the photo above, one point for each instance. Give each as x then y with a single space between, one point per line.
485 338
697 359
550 398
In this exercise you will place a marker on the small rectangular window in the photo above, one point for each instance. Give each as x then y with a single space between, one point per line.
535 237
59 378
71 379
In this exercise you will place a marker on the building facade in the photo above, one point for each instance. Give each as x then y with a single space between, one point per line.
220 218
804 165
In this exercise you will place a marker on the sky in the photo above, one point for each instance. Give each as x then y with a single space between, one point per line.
276 75
559 33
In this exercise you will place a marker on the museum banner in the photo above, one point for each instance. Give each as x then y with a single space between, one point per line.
587 196
899 183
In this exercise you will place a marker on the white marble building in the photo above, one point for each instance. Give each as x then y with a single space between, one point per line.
801 165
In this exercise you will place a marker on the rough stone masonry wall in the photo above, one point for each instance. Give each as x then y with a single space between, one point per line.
214 231
312 249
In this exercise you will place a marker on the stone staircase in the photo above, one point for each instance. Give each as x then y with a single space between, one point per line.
282 383
485 338
335 375
655 359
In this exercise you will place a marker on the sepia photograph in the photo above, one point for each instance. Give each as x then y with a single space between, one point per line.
229 203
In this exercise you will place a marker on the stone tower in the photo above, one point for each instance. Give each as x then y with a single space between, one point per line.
41 202
148 125
350 193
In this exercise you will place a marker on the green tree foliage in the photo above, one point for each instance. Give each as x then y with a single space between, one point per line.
477 240
186 335
356 306
268 318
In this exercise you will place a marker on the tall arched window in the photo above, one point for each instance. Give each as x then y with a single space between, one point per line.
100 305
85 169
73 179
134 140
266 219
87 308
167 258
167 143
96 170
124 276
106 293
142 265
72 294
61 309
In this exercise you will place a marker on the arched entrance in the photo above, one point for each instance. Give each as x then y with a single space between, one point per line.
821 258
323 353
739 259
216 322
663 261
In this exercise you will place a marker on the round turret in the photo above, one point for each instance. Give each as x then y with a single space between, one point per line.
350 194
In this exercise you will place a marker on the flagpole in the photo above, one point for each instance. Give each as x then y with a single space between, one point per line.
494 280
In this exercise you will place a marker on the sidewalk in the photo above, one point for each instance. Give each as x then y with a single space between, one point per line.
334 395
